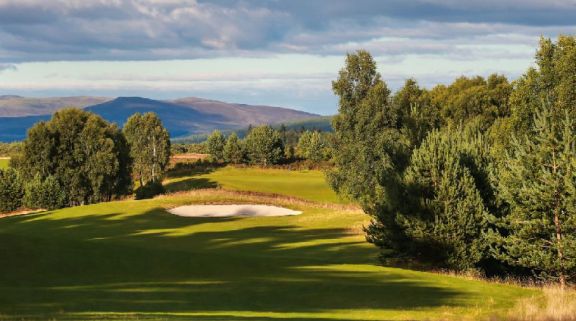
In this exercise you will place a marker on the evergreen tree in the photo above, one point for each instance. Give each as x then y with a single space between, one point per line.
264 146
215 143
149 144
233 150
445 216
538 181
11 190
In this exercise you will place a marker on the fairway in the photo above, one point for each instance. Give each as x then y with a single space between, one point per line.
305 184
4 162
132 260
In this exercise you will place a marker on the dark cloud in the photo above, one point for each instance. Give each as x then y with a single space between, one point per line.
46 30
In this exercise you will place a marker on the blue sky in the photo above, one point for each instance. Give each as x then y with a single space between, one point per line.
272 52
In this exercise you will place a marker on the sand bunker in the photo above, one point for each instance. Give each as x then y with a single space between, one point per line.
245 210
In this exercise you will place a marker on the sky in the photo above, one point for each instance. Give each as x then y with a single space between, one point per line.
271 52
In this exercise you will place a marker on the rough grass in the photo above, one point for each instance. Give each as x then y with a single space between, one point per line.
131 260
4 162
554 305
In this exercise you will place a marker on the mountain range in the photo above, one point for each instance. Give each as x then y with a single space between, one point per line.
182 117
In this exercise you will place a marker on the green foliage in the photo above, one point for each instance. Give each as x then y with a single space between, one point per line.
264 146
538 181
149 144
11 190
370 151
552 83
215 145
85 154
445 216
44 193
476 97
417 114
233 150
313 146
10 149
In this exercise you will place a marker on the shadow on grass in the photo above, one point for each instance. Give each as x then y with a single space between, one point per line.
155 262
189 184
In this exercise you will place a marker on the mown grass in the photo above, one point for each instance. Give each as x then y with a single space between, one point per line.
306 184
4 162
131 260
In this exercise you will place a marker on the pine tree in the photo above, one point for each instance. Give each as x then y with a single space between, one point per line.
538 181
445 216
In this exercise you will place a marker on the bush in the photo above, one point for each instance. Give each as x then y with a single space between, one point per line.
46 193
11 190
149 190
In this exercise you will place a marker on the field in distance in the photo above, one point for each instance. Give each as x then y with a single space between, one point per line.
132 260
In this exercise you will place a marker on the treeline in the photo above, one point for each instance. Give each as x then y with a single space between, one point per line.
265 146
78 158
479 174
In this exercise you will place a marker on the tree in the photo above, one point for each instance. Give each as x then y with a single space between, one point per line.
446 215
11 190
233 150
538 181
264 146
215 143
469 98
312 146
417 114
552 82
46 194
85 154
370 151
149 144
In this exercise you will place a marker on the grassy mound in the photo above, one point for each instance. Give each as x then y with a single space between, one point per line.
131 260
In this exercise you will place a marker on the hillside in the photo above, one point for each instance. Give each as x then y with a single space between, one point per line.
181 117
15 106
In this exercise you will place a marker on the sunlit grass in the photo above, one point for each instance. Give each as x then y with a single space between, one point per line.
132 260
4 162
305 184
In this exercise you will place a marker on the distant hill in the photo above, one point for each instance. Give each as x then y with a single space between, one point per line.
321 123
13 106
182 117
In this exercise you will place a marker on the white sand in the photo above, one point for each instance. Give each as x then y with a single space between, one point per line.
231 210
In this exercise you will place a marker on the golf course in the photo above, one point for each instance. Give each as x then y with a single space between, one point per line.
133 260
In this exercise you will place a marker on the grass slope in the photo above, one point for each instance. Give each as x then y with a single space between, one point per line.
306 184
131 260
4 162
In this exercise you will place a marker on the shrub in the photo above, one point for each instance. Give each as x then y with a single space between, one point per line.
47 193
149 190
11 191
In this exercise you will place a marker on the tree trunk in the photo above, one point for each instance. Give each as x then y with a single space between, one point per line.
558 226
